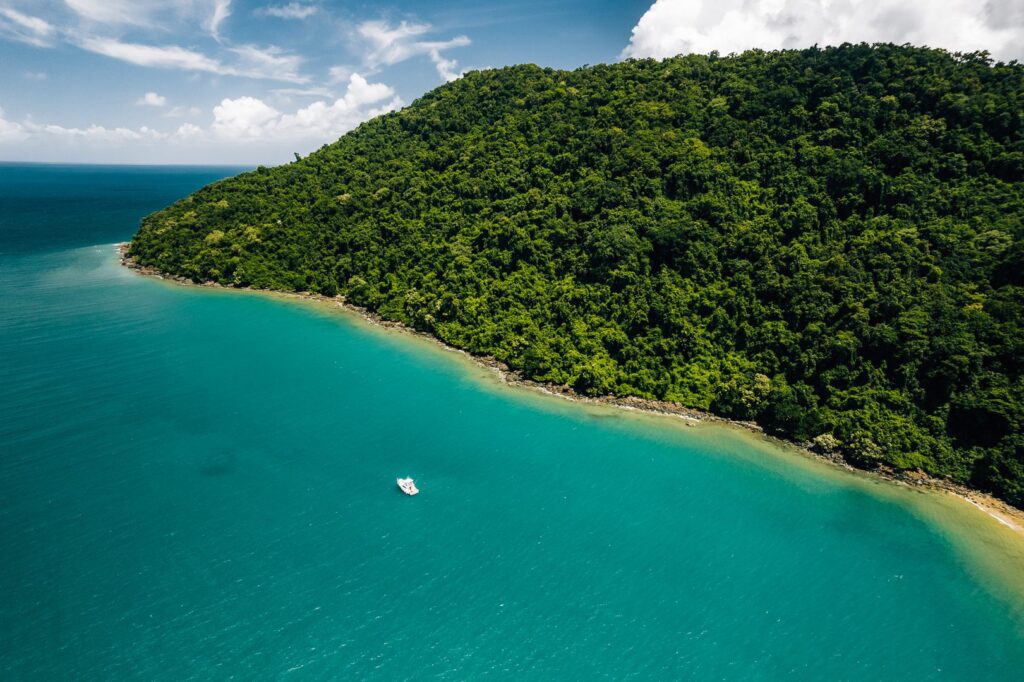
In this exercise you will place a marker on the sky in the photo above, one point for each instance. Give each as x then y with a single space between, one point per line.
254 81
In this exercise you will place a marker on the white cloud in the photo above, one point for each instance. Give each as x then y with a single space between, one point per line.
338 74
221 11
250 118
96 133
249 61
448 69
160 15
167 57
151 99
303 92
188 130
26 28
12 131
35 75
157 14
293 10
244 117
672 27
243 130
393 44
269 63
181 111
135 12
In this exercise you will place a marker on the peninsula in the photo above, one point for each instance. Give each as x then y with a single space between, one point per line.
828 242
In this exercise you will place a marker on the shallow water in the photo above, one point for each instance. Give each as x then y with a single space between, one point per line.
200 484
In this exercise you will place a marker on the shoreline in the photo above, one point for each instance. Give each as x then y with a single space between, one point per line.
1002 512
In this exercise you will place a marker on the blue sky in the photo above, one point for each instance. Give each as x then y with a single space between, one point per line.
251 81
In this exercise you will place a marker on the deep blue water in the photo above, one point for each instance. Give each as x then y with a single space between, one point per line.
48 206
199 484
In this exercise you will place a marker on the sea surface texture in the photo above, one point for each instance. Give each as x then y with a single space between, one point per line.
200 484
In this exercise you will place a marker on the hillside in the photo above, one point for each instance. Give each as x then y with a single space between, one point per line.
827 241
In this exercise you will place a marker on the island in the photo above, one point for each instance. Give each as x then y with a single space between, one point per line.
826 242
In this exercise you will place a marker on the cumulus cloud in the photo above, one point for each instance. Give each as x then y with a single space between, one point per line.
13 131
188 130
299 115
293 10
236 125
244 117
26 28
672 27
97 133
393 44
250 118
151 99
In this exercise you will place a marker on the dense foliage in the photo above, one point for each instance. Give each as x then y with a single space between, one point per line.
828 241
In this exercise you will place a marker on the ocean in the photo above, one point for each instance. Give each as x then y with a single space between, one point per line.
200 484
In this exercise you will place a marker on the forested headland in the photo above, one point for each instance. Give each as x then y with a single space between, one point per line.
829 242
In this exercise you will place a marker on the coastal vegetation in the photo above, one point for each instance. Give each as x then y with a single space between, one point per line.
829 242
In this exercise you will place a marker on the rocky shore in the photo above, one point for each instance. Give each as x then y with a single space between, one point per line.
1005 513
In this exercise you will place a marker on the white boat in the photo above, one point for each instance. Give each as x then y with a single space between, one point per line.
407 486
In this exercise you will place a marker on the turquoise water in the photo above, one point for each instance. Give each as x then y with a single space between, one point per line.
199 484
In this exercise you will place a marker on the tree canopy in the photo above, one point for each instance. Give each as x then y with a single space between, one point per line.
826 241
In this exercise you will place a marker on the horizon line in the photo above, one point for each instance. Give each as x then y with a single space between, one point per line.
4 162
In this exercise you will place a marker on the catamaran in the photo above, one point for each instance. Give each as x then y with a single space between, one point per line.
407 486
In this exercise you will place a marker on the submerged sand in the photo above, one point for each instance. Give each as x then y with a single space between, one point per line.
1007 516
